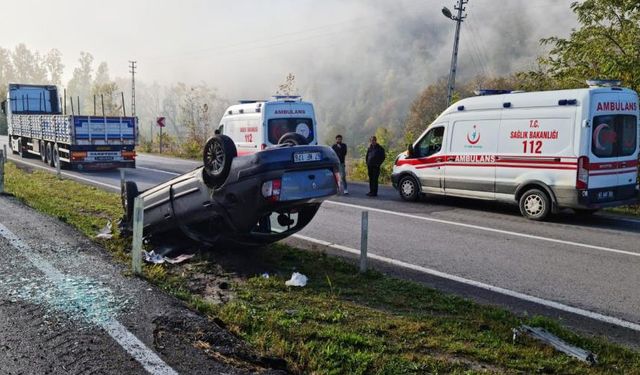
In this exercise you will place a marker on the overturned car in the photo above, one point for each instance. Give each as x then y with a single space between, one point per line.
247 200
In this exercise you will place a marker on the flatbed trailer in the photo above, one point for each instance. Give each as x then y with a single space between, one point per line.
36 126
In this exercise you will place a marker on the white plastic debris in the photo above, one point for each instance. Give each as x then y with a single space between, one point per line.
297 279
179 258
105 232
152 257
265 275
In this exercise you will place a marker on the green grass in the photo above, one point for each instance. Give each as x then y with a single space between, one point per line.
342 321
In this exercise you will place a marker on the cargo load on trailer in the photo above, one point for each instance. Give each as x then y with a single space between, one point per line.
39 125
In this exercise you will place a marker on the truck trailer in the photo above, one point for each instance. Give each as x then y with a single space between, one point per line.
37 125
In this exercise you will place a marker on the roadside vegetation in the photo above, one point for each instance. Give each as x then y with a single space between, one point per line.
342 321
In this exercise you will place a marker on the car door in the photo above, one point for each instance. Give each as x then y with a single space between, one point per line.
430 153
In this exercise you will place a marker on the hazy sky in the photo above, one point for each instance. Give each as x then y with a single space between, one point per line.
240 45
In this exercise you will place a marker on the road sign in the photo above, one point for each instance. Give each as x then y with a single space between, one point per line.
160 122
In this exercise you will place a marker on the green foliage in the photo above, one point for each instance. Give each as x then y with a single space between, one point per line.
607 44
358 166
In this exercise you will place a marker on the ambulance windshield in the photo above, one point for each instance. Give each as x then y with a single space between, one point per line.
281 126
614 136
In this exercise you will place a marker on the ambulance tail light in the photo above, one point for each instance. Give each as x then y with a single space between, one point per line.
263 146
582 178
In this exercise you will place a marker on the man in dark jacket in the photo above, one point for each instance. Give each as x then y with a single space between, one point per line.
375 157
341 150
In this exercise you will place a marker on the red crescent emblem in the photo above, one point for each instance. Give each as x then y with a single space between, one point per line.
473 142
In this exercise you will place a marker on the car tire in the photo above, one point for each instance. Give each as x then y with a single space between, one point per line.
128 195
292 139
408 189
535 204
218 153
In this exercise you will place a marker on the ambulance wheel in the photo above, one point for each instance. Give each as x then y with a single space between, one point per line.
535 204
128 195
408 189
219 152
292 139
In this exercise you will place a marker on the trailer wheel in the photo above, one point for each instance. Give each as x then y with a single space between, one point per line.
408 189
292 139
535 204
42 148
128 195
56 157
49 150
219 152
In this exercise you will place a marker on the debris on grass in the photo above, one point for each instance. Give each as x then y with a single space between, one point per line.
297 279
560 345
153 257
105 232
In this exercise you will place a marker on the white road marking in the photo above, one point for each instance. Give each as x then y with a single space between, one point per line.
127 340
158 170
487 229
477 284
71 176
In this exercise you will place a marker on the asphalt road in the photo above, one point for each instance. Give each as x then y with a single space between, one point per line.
585 265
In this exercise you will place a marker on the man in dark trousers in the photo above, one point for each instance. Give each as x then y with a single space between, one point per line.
375 157
341 150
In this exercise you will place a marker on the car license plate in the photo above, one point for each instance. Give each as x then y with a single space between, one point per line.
303 157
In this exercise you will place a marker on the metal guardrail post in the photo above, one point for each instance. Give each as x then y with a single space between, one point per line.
5 153
2 161
364 234
138 223
122 176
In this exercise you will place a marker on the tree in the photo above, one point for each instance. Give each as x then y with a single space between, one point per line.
607 44
104 90
288 87
80 84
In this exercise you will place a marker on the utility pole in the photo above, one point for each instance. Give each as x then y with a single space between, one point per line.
454 56
132 70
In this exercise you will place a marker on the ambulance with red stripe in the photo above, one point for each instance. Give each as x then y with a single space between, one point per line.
255 125
543 151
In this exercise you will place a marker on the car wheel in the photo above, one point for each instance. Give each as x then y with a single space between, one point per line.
42 150
408 189
219 152
128 195
292 139
535 204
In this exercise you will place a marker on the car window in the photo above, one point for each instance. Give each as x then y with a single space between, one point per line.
431 143
614 136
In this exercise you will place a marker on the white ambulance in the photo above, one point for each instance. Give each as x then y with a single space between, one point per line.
541 150
255 125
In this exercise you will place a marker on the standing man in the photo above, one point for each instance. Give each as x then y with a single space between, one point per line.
341 150
375 157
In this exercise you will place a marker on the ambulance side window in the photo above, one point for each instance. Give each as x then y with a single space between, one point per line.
431 143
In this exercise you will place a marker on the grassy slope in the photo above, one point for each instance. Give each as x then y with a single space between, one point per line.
341 322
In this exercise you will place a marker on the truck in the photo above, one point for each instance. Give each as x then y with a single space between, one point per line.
543 151
39 125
